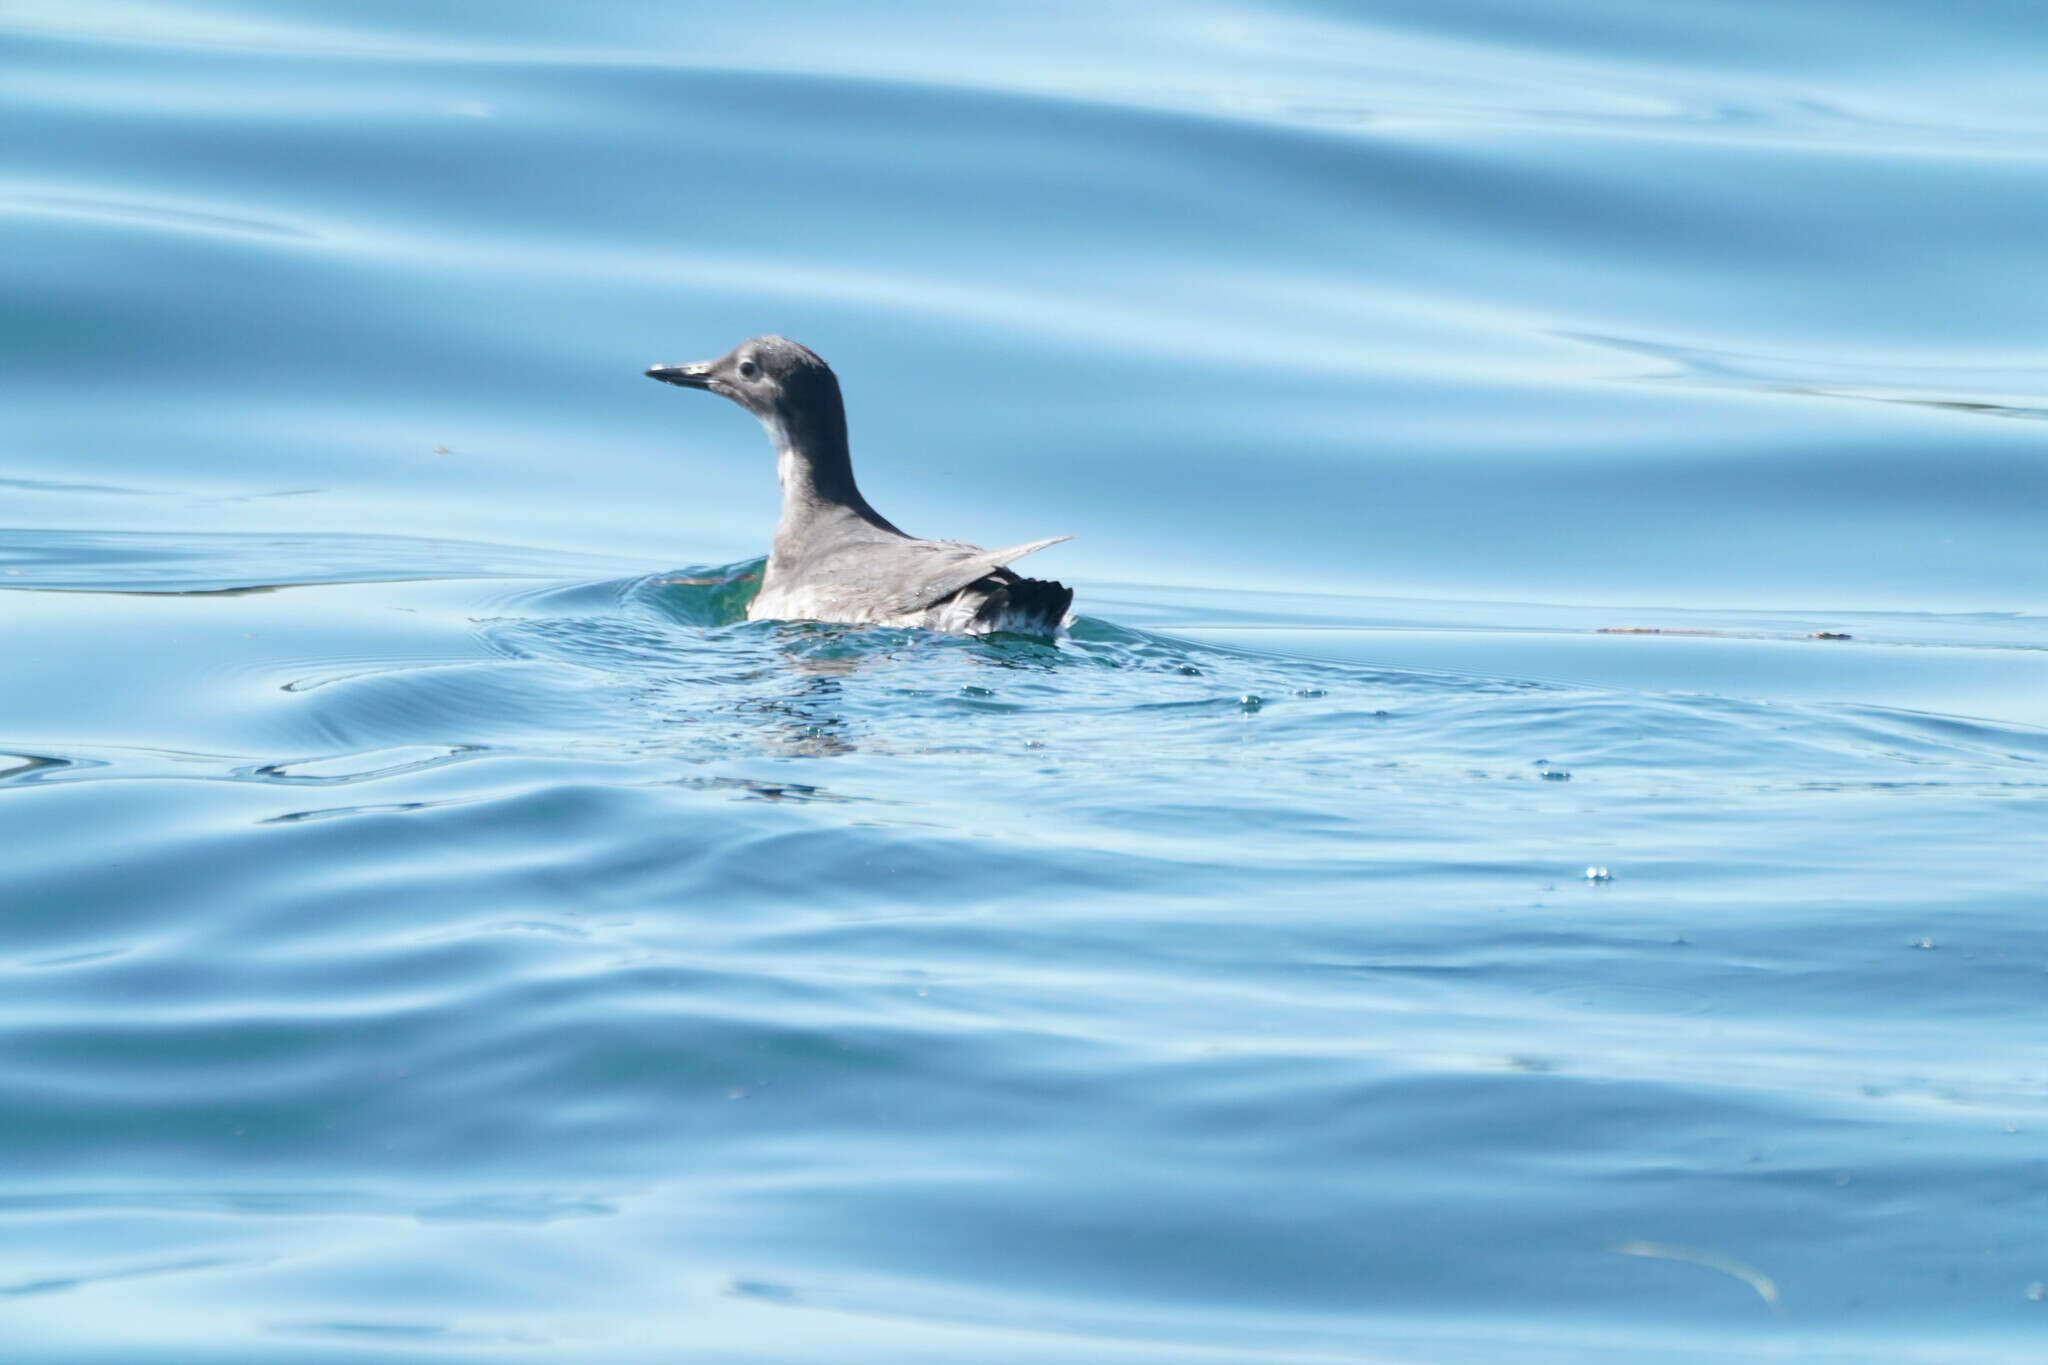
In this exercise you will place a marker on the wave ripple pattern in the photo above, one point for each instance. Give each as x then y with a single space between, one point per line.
1529 852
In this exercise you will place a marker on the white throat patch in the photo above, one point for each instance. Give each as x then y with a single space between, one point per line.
785 457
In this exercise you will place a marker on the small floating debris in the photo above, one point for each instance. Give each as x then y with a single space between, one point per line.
1720 634
1599 874
1923 943
1656 630
1766 1289
1550 774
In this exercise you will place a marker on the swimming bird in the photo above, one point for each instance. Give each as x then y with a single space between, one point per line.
835 558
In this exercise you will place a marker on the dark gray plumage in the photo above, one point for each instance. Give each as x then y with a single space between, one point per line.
834 558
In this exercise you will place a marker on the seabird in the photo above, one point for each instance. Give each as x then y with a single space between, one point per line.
834 558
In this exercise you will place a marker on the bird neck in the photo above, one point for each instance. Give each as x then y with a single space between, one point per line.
813 465
815 470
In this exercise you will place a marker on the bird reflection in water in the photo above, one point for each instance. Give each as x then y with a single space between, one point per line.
809 721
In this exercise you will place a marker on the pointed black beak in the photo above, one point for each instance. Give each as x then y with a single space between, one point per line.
688 376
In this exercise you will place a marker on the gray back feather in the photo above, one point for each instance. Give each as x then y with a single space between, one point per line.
940 568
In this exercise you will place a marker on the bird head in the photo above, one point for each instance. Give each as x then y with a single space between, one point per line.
784 384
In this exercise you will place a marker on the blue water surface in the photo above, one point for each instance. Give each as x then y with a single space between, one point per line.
1529 852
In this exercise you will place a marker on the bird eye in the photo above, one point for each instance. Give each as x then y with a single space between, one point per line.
748 369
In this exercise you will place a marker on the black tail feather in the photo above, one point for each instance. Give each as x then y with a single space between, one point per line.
1025 606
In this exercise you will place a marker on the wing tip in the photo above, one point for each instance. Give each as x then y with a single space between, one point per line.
1030 547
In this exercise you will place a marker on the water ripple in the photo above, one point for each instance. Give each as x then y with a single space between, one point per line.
421 944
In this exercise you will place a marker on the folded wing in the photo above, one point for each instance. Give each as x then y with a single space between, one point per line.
940 568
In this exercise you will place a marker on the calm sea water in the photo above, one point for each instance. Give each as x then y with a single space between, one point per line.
1443 902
